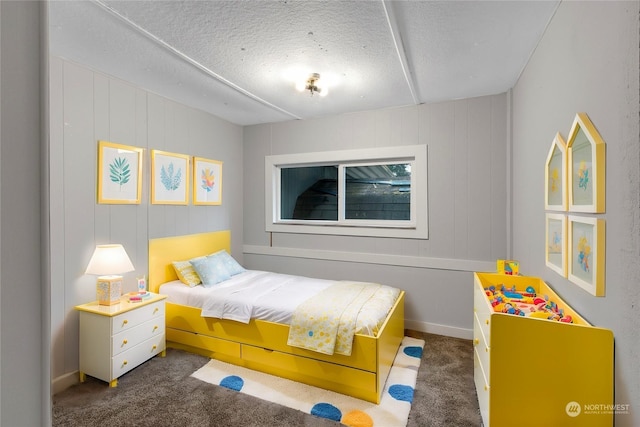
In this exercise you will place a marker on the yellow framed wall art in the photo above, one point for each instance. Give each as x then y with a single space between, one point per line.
555 176
169 178
586 154
207 181
119 173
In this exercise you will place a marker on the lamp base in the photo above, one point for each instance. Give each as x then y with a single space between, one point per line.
108 290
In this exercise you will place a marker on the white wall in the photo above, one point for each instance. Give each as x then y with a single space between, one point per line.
467 145
24 374
588 61
88 106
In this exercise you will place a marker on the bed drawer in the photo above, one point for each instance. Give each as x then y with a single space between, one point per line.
299 368
213 345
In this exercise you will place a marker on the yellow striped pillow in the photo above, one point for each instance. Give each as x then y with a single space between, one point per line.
186 273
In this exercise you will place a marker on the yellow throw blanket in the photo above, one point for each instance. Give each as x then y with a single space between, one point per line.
326 323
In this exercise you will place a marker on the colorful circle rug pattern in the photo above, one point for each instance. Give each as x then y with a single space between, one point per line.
393 410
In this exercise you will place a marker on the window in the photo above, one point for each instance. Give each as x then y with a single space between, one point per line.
371 192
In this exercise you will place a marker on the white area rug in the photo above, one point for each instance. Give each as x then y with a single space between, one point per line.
393 410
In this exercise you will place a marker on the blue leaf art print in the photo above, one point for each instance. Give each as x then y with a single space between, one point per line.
171 179
119 171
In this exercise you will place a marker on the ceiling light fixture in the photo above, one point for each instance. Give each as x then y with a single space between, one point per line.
313 85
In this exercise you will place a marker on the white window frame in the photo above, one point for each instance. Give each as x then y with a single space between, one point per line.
415 228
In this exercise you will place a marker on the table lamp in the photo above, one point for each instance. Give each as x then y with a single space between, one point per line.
108 262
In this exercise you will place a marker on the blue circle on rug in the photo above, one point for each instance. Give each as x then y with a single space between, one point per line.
401 392
326 410
232 382
413 351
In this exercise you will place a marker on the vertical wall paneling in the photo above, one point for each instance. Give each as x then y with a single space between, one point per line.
442 177
101 131
499 166
460 190
87 106
464 153
78 189
480 164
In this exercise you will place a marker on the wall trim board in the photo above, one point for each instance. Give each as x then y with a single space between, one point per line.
437 329
370 258
65 381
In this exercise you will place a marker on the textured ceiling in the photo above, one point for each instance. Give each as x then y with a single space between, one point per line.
239 59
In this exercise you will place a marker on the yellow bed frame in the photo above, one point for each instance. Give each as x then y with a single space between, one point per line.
262 345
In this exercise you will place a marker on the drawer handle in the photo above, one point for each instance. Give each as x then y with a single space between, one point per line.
155 327
476 341
125 321
124 362
154 347
155 311
124 342
486 321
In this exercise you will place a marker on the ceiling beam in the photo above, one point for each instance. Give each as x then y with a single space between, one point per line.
190 60
387 5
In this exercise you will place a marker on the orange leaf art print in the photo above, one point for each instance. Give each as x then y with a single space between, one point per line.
208 179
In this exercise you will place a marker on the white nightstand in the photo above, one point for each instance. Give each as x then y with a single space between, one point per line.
115 339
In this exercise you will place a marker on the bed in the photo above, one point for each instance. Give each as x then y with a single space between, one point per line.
262 345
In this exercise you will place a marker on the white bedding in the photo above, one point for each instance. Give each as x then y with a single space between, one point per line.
272 297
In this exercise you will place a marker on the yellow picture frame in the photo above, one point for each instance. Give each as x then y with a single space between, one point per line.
555 175
207 181
556 243
169 178
119 173
586 167
586 249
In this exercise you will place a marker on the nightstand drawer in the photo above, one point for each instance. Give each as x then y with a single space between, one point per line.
127 360
137 334
132 318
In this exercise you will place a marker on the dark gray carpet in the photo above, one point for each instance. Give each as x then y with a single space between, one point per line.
160 392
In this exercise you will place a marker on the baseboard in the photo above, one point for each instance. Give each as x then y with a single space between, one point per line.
434 328
65 381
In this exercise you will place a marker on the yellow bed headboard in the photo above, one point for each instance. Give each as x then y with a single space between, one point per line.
165 250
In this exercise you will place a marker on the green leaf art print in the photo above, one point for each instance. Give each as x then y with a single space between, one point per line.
170 179
119 171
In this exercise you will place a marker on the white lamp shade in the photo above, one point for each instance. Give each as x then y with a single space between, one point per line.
108 260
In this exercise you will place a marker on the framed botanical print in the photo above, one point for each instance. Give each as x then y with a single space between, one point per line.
556 243
119 173
169 178
555 175
586 240
586 155
207 181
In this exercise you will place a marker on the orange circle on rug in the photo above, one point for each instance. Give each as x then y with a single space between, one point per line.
357 419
